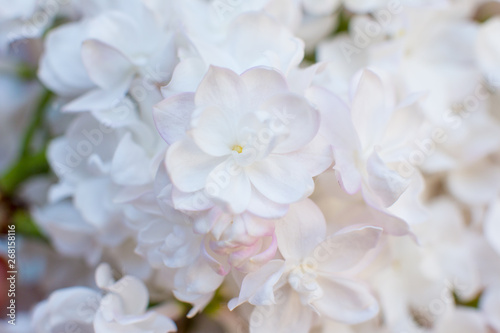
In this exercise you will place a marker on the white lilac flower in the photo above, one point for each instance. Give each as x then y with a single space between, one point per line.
122 308
95 60
241 142
252 39
313 176
363 146
314 276
95 158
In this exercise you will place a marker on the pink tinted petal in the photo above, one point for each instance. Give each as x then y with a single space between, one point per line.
266 255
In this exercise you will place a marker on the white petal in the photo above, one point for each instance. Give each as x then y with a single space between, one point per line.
492 225
188 166
364 6
294 118
255 39
104 276
475 184
490 305
346 301
280 179
288 315
370 112
106 66
69 233
133 294
214 131
262 83
130 165
223 88
386 184
172 116
181 246
61 66
258 287
488 49
343 250
261 206
234 189
462 320
186 77
336 122
320 8
192 201
99 99
75 304
196 284
348 173
300 230
316 156
96 210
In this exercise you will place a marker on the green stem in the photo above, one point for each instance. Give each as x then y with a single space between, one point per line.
35 123
26 167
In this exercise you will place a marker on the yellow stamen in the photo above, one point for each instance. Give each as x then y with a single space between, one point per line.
238 148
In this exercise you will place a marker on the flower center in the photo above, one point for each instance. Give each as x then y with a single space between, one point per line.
303 279
237 148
